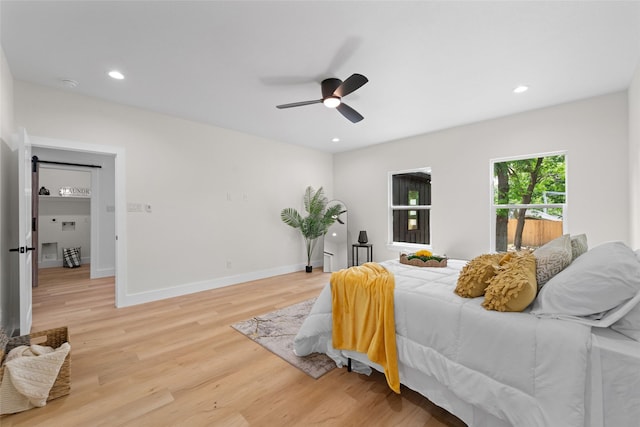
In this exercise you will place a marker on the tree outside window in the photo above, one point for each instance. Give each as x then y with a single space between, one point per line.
410 195
529 201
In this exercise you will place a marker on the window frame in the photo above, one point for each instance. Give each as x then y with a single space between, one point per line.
391 208
493 207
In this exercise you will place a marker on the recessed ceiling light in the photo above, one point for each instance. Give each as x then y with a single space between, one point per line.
335 140
115 74
521 89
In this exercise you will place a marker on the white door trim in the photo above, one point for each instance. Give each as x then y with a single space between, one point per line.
120 200
25 215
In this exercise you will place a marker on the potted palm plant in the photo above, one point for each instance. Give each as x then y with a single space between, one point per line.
317 221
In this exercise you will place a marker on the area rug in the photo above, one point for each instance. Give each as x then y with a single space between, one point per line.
275 331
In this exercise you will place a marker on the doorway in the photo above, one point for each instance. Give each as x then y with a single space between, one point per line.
63 215
107 210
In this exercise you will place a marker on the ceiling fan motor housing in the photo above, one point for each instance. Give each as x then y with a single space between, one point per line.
329 86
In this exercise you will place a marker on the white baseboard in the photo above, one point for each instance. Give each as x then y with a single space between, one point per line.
51 263
205 285
104 272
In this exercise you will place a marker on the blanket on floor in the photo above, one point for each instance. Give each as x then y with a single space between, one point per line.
363 316
29 374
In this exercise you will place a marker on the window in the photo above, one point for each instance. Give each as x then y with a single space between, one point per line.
528 201
409 207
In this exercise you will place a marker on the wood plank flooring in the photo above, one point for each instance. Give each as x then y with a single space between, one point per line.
177 362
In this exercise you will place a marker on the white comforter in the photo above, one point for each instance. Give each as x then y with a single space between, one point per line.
519 368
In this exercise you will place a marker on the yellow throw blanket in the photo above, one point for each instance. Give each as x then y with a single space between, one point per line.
363 317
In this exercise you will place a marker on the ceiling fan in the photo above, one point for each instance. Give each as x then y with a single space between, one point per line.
338 217
332 92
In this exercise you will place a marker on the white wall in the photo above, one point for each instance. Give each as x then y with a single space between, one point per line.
57 232
593 131
9 302
195 237
216 194
634 158
6 99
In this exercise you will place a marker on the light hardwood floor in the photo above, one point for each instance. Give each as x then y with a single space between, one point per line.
177 362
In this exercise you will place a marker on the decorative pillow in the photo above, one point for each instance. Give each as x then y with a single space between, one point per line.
71 257
598 288
578 246
514 287
552 258
474 276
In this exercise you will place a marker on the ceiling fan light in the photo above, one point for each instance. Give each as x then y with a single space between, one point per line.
331 102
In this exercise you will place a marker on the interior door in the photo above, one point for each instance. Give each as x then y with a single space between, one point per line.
25 247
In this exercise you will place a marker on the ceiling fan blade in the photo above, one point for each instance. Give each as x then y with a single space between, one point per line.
299 104
352 83
349 113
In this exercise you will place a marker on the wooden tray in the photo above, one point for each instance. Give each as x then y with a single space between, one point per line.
404 259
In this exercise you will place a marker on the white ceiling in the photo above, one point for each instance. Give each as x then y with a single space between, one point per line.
431 65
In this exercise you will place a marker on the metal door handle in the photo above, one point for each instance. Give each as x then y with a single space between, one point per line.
21 249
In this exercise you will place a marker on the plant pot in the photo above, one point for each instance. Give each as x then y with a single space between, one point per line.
308 268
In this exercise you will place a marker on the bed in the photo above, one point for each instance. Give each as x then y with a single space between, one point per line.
544 366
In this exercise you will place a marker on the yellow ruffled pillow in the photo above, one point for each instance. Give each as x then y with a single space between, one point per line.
514 287
474 276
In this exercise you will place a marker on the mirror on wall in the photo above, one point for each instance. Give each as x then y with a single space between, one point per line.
336 254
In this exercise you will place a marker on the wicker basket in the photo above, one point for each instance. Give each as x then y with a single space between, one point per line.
404 259
52 338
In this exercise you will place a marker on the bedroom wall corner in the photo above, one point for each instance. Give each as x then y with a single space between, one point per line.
634 158
593 131
214 194
9 317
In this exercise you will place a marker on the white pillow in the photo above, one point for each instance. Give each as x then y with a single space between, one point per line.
552 258
598 288
629 325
